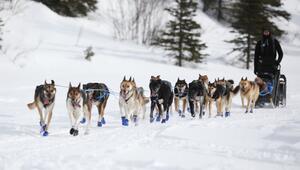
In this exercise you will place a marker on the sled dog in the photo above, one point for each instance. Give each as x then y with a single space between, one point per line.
44 99
161 98
250 91
97 94
77 107
132 101
180 94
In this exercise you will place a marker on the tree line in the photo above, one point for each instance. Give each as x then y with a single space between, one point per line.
180 34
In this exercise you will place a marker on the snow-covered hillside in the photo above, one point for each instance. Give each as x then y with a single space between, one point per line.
41 45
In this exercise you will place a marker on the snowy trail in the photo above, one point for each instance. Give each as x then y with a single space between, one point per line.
267 139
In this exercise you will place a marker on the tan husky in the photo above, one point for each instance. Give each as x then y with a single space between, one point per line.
132 101
44 98
250 91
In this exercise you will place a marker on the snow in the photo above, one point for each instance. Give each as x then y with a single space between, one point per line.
41 45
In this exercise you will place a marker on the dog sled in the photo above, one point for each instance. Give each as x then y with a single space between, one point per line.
275 90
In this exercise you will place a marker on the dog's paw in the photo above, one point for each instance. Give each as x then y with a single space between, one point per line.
45 133
83 120
193 115
76 132
179 112
72 131
103 121
227 114
99 124
158 118
251 111
164 121
124 121
151 119
182 116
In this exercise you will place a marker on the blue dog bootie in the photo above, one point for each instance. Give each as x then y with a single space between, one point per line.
83 120
103 121
227 114
45 133
124 121
158 118
99 124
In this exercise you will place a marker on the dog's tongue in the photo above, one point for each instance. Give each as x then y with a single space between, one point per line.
46 101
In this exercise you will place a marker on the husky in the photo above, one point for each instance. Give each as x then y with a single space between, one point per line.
250 91
44 99
223 94
132 101
265 90
97 94
77 107
180 92
161 98
196 97
211 89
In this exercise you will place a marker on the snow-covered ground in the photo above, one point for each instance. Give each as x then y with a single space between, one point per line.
41 45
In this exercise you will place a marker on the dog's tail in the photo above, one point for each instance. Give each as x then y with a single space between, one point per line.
235 90
31 106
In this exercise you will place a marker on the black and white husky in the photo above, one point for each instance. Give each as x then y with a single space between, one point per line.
77 108
161 97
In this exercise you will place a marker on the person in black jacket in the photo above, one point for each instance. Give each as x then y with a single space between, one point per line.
265 58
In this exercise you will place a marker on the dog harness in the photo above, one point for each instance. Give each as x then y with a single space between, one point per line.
76 104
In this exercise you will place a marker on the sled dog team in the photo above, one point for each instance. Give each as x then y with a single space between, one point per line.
198 94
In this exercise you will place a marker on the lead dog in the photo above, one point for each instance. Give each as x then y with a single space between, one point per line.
132 101
44 99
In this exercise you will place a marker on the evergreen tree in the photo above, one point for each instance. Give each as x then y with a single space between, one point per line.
182 34
219 9
249 18
71 8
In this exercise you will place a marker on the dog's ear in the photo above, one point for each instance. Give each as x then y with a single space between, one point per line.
178 79
45 82
52 82
124 79
129 79
158 77
133 80
152 78
246 78
78 87
242 78
70 85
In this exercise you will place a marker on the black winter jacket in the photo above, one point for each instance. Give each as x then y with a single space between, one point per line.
265 58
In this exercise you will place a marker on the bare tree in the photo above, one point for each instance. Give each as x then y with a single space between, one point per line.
138 20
